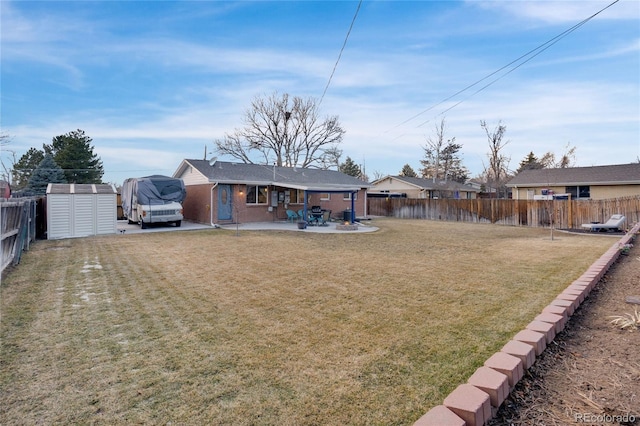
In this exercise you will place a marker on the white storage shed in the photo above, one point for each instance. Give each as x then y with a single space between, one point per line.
80 210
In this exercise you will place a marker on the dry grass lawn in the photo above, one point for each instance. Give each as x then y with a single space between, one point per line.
287 328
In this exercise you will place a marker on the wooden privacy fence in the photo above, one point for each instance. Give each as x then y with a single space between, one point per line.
564 214
18 229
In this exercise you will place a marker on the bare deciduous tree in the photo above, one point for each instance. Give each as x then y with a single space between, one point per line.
377 174
286 131
4 139
432 151
497 171
567 159
441 160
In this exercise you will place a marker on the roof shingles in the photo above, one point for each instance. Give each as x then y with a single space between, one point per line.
620 174
228 172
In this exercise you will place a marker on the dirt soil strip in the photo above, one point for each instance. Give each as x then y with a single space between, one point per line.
590 374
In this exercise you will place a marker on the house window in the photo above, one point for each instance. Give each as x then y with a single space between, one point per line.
257 194
578 192
347 195
297 197
325 196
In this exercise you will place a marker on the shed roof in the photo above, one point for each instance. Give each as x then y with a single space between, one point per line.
80 188
258 174
619 174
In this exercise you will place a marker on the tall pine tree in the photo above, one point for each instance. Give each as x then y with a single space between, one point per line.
349 167
47 172
530 162
24 168
73 152
408 171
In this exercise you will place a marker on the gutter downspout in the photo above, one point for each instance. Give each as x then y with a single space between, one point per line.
215 225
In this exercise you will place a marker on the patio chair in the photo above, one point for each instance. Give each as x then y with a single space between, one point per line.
614 223
326 216
291 216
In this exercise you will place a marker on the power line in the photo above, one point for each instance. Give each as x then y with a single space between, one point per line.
532 53
340 54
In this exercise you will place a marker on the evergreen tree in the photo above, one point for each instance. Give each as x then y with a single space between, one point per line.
47 172
443 163
350 168
24 168
530 162
73 152
408 171
453 169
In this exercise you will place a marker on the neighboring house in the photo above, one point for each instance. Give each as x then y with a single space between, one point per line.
413 187
577 183
484 189
223 192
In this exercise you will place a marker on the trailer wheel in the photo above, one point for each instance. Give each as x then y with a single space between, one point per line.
143 224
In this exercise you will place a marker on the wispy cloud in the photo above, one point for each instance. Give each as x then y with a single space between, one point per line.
563 11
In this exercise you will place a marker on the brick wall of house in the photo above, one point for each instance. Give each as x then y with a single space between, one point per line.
197 205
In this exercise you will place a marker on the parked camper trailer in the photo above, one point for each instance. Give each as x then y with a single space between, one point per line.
153 199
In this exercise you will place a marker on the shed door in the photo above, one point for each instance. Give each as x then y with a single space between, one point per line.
84 215
59 211
224 202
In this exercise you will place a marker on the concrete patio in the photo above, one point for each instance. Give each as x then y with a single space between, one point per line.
330 227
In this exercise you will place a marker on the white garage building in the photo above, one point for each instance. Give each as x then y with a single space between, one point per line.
80 210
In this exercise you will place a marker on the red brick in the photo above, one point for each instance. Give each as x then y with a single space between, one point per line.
574 292
579 284
584 288
595 271
549 330
470 404
575 300
586 282
439 416
593 278
494 383
507 364
558 310
537 340
571 307
557 320
522 350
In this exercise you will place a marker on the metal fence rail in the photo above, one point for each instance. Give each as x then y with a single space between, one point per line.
564 214
17 230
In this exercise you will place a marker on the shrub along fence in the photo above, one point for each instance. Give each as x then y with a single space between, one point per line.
18 228
564 214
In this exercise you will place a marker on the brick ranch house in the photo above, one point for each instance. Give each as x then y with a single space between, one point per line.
221 192
579 183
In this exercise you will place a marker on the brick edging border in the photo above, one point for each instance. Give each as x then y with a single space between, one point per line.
477 401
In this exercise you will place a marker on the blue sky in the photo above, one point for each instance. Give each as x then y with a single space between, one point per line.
154 82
